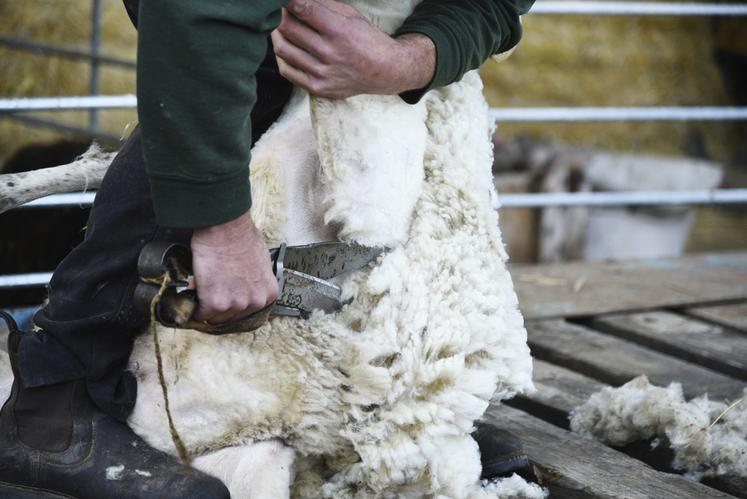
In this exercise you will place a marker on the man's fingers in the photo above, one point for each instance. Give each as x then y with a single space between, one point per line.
232 311
295 56
296 76
317 14
301 35
226 317
213 310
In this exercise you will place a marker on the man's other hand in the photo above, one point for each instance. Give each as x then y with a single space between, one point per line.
331 50
232 271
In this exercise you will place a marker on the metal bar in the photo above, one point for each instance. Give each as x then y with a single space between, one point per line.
93 120
555 7
62 127
536 200
25 280
69 53
588 114
81 199
24 316
517 114
68 103
633 198
542 200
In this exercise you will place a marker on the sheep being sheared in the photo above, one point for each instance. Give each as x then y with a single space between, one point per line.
379 399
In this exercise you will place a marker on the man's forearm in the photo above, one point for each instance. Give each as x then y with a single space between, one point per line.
415 63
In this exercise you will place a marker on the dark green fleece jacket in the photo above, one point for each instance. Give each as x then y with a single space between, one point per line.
196 88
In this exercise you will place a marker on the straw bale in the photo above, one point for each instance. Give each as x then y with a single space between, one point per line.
27 74
616 61
562 60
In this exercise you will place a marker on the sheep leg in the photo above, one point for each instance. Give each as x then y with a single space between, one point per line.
262 470
83 174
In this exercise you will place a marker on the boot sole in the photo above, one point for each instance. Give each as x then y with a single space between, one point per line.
14 491
504 468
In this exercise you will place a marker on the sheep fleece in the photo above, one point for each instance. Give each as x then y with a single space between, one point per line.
378 399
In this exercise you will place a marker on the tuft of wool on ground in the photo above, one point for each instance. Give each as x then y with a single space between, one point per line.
516 487
708 438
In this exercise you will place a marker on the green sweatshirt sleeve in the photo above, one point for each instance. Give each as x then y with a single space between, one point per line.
466 33
196 88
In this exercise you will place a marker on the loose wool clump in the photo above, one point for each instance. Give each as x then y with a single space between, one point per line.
708 438
516 486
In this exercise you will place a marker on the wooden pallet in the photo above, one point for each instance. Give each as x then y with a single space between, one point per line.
596 324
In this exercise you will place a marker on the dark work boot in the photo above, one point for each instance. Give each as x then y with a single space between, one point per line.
54 443
501 452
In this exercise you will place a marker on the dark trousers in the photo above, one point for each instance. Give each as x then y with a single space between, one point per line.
88 328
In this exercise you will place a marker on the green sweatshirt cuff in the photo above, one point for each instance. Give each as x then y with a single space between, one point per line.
465 33
180 203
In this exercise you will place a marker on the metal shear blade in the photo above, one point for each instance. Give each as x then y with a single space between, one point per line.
301 271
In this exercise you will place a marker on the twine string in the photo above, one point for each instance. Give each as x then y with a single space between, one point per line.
181 449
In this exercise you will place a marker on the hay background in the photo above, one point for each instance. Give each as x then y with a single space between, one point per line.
25 74
616 61
562 61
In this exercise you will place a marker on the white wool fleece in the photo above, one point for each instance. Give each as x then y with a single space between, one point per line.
638 411
383 387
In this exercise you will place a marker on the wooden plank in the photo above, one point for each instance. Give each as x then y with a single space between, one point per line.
575 467
709 345
561 388
734 485
733 316
617 361
582 289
